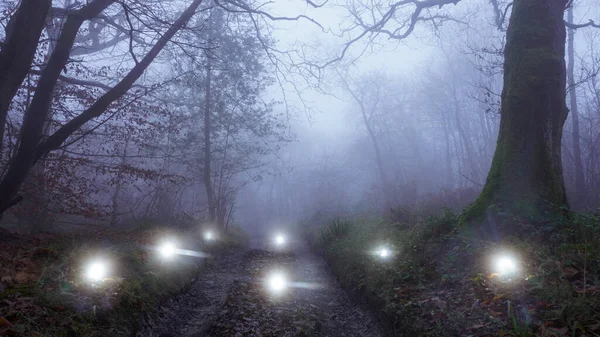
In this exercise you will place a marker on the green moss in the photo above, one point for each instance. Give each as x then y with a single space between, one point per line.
525 180
430 256
25 290
376 284
119 303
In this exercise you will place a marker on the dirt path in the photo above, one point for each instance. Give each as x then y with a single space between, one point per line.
192 312
231 300
315 306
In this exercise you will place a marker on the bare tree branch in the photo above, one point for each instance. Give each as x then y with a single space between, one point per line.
378 26
590 23
100 106
244 8
126 10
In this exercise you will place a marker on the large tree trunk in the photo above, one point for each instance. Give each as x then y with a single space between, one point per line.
580 193
17 53
526 178
35 198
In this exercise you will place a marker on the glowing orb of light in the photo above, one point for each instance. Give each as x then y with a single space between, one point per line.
96 271
384 253
505 265
277 283
280 240
167 250
209 236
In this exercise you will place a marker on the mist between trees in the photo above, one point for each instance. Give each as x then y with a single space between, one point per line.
129 113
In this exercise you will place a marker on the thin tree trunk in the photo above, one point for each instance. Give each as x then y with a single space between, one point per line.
117 192
580 192
207 148
466 142
450 176
458 154
526 177
382 175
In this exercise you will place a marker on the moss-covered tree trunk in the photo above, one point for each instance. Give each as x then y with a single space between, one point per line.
526 177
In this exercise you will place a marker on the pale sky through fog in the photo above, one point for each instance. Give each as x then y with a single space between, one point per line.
402 59
330 119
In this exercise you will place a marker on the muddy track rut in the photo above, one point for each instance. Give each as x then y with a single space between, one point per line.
229 299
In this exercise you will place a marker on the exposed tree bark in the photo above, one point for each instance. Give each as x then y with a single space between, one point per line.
526 177
35 196
30 149
17 53
207 148
580 190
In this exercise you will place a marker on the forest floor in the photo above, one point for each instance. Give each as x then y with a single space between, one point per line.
231 300
193 311
436 282
43 291
439 280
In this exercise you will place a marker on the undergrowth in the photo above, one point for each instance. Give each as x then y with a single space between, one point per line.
439 281
43 293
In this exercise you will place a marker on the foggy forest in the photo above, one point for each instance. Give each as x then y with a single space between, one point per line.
299 168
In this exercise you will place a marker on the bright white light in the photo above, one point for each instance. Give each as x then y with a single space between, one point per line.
167 250
505 265
96 271
277 283
384 253
280 240
209 236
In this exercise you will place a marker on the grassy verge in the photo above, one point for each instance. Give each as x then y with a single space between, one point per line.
439 281
43 291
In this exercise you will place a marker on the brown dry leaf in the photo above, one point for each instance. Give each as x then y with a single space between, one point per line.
561 331
476 326
22 277
589 290
499 297
570 271
4 324
496 313
439 302
552 332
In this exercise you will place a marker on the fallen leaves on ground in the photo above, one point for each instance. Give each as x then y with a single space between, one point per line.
43 293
